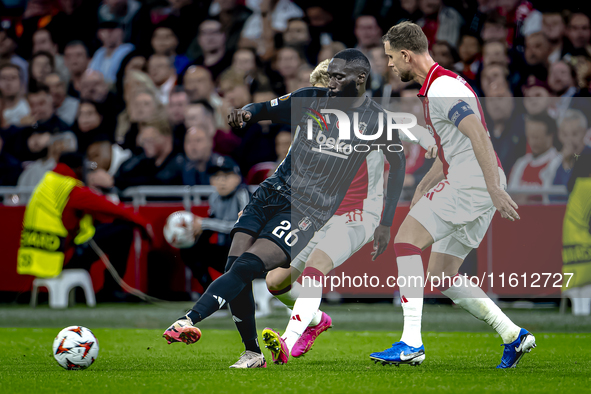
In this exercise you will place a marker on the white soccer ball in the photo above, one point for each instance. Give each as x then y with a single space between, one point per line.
75 347
178 230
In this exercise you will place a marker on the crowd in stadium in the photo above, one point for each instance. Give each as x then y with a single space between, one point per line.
143 88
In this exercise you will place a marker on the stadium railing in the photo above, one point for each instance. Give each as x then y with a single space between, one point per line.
197 195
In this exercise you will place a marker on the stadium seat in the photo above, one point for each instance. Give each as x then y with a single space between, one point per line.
60 286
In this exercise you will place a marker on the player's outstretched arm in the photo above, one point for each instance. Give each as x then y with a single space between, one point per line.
485 154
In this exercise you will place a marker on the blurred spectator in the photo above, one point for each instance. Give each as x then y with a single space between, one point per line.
537 50
133 61
444 54
15 105
571 134
379 70
328 51
495 28
89 124
136 83
506 127
10 167
288 62
76 60
578 32
439 22
212 40
43 115
232 15
495 51
268 18
199 85
41 66
235 93
297 33
198 146
158 164
58 143
494 77
470 55
537 96
8 45
66 107
144 106
178 102
522 19
121 12
93 87
108 158
43 42
163 74
368 33
213 233
562 79
107 59
304 73
244 62
554 28
200 114
532 170
165 42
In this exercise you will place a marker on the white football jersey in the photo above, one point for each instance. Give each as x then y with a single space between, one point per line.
447 100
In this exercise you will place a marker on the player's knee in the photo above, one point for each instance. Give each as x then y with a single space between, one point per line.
248 266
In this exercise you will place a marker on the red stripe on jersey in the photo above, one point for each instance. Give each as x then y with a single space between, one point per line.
435 72
356 193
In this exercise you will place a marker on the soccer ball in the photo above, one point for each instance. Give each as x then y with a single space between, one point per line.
75 347
178 230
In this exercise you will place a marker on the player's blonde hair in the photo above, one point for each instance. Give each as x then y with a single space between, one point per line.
319 77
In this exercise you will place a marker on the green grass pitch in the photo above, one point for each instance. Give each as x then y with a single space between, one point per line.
462 354
139 360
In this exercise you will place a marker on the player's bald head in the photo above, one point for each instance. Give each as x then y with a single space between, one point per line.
355 60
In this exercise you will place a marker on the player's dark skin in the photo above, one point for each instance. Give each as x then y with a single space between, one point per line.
345 81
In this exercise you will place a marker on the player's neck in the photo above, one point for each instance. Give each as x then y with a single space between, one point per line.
422 66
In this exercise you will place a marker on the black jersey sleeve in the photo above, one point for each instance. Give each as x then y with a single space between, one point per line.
279 110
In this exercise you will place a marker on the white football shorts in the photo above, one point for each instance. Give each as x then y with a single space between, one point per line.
456 216
340 238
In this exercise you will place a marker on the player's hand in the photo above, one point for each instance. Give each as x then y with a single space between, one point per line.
504 204
431 152
381 239
238 118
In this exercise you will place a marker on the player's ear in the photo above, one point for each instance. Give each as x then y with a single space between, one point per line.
405 55
361 78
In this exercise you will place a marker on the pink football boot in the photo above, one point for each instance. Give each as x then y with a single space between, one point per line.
305 342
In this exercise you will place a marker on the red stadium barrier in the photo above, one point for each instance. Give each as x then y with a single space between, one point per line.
529 246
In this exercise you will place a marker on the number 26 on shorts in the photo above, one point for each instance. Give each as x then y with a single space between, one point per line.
291 238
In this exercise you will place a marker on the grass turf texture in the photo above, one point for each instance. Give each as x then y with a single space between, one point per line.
139 360
134 357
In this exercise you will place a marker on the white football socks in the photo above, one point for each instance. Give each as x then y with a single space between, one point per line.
473 299
412 276
290 297
305 307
